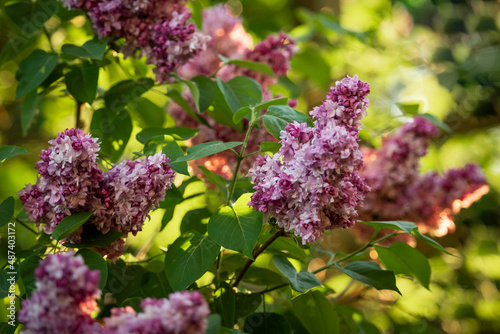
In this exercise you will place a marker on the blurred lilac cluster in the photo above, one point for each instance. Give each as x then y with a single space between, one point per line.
399 192
312 184
229 39
70 182
158 30
65 298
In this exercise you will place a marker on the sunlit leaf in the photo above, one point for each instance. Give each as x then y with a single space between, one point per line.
7 152
92 49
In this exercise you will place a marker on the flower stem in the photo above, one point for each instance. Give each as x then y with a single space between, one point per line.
256 253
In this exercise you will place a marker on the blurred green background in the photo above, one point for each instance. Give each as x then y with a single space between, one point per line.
419 56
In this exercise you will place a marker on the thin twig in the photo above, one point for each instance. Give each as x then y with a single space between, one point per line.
25 226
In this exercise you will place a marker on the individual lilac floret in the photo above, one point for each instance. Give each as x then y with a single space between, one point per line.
183 312
156 29
136 187
64 297
69 179
312 183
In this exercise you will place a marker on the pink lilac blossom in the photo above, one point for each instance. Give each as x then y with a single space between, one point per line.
158 30
70 182
399 192
312 183
183 312
64 298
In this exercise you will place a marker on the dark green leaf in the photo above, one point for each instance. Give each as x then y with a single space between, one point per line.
155 285
247 303
225 303
27 272
95 262
189 258
240 92
7 152
267 323
207 89
437 122
91 237
147 113
28 110
277 118
113 127
401 258
206 149
316 313
195 92
263 276
70 224
300 281
241 113
370 273
430 241
91 49
178 132
6 211
173 151
273 102
82 82
236 227
270 146
124 92
214 321
34 70
5 284
395 225
221 111
30 16
192 221
185 105
124 281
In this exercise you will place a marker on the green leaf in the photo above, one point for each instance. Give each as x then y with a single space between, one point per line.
206 149
267 323
215 179
225 304
311 62
370 273
173 151
430 241
95 262
273 102
124 92
155 285
316 313
124 281
409 108
27 272
4 284
28 110
82 82
277 118
241 113
6 211
70 224
221 112
207 89
214 321
147 113
437 122
195 92
251 65
300 281
7 152
394 225
401 258
247 303
270 146
189 258
34 70
236 227
192 221
178 132
184 104
30 16
91 238
113 127
262 276
240 92
92 49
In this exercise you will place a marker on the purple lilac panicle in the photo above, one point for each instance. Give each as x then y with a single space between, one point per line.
183 312
64 297
312 183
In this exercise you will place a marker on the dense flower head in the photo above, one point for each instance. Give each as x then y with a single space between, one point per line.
183 312
400 192
70 182
312 183
156 29
64 298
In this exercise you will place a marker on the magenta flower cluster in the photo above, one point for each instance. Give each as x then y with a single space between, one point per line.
71 182
312 184
399 192
65 298
158 30
183 312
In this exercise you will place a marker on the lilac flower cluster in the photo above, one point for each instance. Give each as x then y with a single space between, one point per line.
71 182
64 299
156 29
399 192
183 312
312 184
